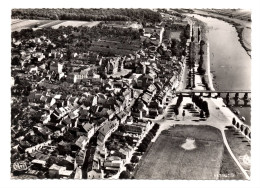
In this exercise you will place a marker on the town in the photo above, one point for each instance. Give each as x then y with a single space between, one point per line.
87 101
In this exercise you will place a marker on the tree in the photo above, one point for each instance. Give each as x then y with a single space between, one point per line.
238 125
146 141
234 121
207 114
15 61
242 127
129 167
201 114
246 131
150 135
156 126
124 175
176 111
152 131
134 159
202 42
142 147
204 106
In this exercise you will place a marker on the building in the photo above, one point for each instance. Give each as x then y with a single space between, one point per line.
56 67
106 130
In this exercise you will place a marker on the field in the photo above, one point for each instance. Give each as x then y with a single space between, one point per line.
168 160
240 147
75 24
17 25
229 169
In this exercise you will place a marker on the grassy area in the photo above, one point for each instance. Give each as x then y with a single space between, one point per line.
166 159
174 35
229 169
240 147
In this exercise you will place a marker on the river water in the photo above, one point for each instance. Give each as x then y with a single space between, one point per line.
229 62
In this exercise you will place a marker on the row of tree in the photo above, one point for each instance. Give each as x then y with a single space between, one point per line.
242 128
201 68
140 15
203 105
148 138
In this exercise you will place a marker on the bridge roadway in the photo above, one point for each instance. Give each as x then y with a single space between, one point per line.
211 91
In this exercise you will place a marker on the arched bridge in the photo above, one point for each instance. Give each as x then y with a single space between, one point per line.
211 91
216 92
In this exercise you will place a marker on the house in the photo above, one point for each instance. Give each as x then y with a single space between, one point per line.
90 100
49 102
129 120
89 128
94 167
54 171
132 129
66 121
80 158
152 89
72 101
153 112
34 97
106 130
122 116
45 118
33 69
64 148
38 146
78 173
44 132
56 67
147 98
81 142
96 174
113 165
144 81
63 173
38 164
58 113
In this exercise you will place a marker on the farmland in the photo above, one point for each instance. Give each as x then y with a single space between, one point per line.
17 25
168 160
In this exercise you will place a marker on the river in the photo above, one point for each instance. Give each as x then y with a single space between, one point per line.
229 62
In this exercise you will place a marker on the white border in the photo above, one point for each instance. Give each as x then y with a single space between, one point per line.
6 7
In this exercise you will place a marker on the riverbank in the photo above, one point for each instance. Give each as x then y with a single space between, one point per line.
239 29
208 78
